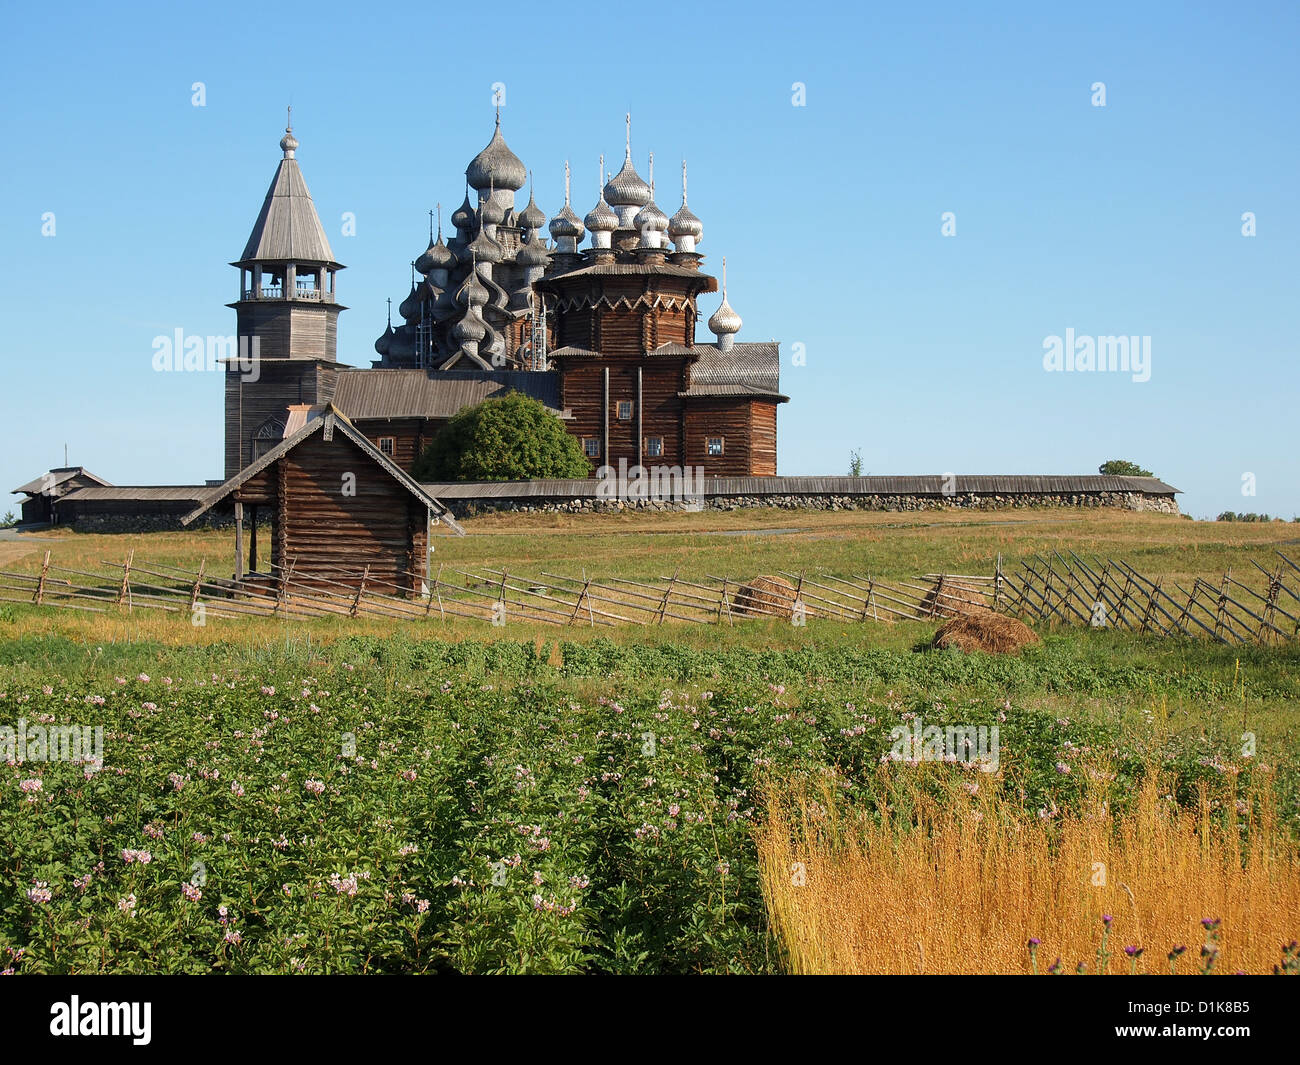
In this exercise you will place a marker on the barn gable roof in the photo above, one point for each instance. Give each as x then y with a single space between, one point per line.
61 475
331 420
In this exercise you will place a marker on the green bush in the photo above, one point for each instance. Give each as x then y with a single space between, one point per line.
513 438
1123 468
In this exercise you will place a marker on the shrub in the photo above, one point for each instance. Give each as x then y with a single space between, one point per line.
513 438
1123 468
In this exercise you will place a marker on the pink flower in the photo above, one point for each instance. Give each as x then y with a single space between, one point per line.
316 787
267 690
191 892
127 905
40 894
237 789
30 785
143 678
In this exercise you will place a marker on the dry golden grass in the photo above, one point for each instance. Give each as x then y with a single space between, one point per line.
964 882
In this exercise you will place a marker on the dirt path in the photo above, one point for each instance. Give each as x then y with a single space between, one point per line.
14 544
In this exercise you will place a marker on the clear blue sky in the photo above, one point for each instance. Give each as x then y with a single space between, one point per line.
924 351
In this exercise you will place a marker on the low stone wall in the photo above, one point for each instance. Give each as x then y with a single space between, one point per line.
1137 501
145 523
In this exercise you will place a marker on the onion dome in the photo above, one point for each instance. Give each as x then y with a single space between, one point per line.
385 340
471 292
685 224
566 224
439 257
463 216
650 217
484 249
724 321
601 218
410 307
288 143
533 253
491 212
471 327
532 217
626 188
424 263
496 165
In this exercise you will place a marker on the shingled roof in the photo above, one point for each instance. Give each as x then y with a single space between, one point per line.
372 394
748 369
288 228
55 479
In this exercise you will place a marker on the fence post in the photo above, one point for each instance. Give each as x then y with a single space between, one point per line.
361 590
124 591
198 584
40 584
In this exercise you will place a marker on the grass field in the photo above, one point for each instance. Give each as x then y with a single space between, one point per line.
445 749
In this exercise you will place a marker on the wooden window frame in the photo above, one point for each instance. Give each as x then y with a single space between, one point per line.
631 410
392 441
708 444
650 452
595 442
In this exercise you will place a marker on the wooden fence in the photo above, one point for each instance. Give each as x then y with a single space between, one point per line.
1052 589
1045 590
489 594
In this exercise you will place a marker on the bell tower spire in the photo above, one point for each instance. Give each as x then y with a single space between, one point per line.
287 311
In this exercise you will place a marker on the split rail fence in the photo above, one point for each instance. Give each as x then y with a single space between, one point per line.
1046 590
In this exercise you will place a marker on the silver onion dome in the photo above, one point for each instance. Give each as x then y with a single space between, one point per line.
484 249
496 165
685 224
463 216
533 253
724 320
532 217
650 217
491 212
601 218
470 327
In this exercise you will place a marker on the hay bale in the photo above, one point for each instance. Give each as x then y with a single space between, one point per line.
950 599
985 631
764 596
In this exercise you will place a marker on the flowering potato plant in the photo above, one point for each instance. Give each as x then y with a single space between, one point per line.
457 807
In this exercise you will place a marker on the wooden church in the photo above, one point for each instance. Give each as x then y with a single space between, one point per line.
602 334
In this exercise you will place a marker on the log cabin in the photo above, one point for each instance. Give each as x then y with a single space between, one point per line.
341 511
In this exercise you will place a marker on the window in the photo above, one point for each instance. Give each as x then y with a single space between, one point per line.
591 446
654 447
625 410
714 446
388 445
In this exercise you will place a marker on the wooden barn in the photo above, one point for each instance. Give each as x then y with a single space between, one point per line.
340 511
40 497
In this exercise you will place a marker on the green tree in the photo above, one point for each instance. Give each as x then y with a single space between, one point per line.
855 463
1123 468
513 438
